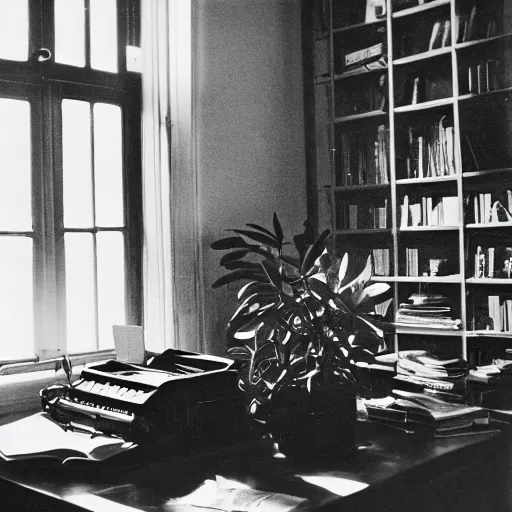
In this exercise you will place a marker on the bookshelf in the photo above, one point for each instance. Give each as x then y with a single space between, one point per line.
409 155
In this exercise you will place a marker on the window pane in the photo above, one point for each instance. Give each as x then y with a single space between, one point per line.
80 302
111 302
15 166
70 32
108 165
16 298
77 173
104 35
14 29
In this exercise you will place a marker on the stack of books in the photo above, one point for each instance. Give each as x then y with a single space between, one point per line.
432 311
424 413
426 370
491 385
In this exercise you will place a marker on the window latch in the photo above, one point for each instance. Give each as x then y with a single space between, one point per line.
43 54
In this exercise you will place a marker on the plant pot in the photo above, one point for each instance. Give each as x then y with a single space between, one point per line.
320 422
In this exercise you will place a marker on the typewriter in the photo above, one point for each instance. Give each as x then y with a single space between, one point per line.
180 398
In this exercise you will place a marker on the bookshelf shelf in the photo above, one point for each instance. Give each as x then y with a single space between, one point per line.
425 331
411 11
425 105
428 279
490 225
362 188
479 42
490 334
488 281
357 117
418 57
358 72
488 172
348 232
358 26
426 181
460 140
483 95
418 229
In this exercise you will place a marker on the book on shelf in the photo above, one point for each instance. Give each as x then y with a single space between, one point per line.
489 207
500 313
440 34
365 157
364 216
493 262
375 10
484 76
431 150
371 56
429 211
381 262
432 311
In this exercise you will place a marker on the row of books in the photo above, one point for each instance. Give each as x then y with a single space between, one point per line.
493 262
429 211
484 208
479 23
381 262
427 310
500 313
365 157
431 151
440 35
363 216
483 77
429 267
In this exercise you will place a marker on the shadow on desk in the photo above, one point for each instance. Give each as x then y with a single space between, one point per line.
390 471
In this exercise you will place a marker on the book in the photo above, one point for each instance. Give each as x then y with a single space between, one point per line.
436 36
375 9
39 436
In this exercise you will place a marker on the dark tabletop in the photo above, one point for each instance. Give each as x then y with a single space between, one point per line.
392 470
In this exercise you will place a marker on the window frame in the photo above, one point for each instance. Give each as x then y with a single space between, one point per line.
45 85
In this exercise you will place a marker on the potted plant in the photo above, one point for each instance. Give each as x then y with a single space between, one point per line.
302 325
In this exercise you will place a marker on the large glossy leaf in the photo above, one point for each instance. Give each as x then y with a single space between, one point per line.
262 229
342 272
371 292
241 265
314 252
248 321
294 262
254 287
273 274
262 238
233 256
357 285
240 275
278 229
230 242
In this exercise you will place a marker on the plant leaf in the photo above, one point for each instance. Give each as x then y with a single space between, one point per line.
262 229
314 252
273 274
262 238
231 242
238 275
233 256
240 265
278 229
360 281
294 262
372 291
342 271
255 287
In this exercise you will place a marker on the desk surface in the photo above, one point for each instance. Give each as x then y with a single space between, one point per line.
402 471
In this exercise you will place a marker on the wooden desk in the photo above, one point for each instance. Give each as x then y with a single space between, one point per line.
403 472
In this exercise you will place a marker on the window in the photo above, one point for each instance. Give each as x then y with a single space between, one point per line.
70 178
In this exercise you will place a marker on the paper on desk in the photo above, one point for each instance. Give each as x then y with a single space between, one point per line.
39 436
231 496
129 343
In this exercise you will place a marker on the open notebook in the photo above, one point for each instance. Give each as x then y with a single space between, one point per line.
39 436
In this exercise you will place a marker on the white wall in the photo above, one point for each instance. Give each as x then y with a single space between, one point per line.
249 129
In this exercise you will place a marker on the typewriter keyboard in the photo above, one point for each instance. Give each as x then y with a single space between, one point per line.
93 409
112 390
